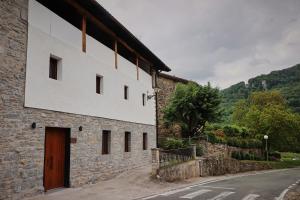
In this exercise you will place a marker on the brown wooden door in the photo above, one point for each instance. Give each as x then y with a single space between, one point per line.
55 150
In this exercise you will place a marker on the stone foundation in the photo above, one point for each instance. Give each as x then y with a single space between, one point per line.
22 148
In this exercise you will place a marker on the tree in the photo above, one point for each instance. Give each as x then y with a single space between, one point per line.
191 106
267 113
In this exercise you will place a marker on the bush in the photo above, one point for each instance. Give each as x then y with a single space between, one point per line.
211 137
247 156
234 155
173 143
276 155
233 141
231 130
254 143
244 132
239 155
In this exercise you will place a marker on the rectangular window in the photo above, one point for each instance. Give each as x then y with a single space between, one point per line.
144 99
127 141
126 92
145 141
53 65
99 84
106 142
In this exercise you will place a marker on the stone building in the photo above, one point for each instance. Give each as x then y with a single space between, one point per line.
74 106
167 85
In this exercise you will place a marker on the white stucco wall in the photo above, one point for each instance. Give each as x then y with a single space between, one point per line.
48 35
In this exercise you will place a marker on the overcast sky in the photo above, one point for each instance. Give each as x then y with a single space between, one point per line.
221 41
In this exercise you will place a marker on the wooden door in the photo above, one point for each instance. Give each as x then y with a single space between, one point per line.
55 152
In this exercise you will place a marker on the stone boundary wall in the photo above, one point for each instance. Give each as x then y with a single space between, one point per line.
213 166
180 171
225 150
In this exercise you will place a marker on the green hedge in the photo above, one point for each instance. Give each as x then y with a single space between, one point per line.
173 143
239 155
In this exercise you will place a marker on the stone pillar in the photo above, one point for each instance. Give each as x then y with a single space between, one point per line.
155 161
194 153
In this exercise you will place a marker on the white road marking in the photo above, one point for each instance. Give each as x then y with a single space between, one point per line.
237 176
150 197
194 194
282 194
250 197
225 188
222 196
175 191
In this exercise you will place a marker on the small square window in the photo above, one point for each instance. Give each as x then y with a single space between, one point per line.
126 92
106 140
145 141
127 142
144 99
99 84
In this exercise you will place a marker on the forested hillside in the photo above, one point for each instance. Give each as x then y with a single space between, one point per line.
287 81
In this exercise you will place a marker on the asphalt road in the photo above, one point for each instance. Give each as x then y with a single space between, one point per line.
268 185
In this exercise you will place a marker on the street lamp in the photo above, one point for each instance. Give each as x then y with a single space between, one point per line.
266 137
156 90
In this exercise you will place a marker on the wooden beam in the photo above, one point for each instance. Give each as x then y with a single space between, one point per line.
137 67
116 54
91 17
83 30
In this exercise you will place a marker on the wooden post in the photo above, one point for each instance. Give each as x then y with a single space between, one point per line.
116 54
137 67
83 29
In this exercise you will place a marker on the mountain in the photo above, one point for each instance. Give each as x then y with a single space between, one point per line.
287 81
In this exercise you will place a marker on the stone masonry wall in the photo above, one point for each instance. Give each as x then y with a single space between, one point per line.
22 148
180 171
216 150
167 86
212 166
215 166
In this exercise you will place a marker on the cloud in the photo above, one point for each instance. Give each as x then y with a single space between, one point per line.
223 42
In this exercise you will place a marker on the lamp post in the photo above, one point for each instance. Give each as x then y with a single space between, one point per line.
266 137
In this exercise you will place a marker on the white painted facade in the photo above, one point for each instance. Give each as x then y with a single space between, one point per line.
75 91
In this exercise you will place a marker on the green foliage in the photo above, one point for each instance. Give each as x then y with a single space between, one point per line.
240 155
237 136
267 113
289 156
287 81
191 106
232 130
244 143
173 143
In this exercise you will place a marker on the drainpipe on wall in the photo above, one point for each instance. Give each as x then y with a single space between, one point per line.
156 107
156 113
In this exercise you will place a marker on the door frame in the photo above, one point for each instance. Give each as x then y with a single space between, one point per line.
67 156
